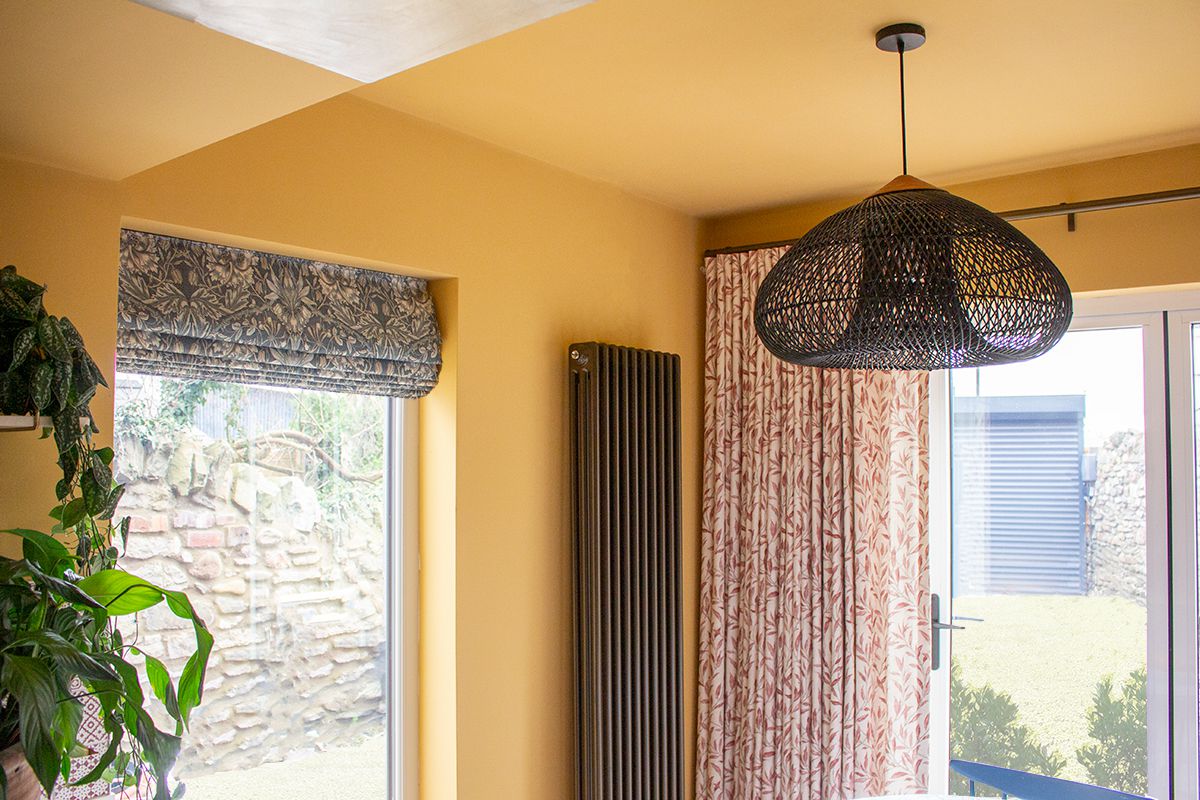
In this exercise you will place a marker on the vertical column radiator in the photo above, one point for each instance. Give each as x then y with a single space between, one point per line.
626 517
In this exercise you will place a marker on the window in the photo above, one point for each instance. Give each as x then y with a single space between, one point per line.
1063 510
282 513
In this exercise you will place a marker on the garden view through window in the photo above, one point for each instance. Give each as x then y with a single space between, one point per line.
1049 672
268 507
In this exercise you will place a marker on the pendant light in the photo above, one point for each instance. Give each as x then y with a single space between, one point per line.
912 277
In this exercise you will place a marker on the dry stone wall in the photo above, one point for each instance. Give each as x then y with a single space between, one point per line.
1116 522
295 601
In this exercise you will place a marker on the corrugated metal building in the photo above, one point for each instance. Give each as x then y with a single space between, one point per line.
1018 500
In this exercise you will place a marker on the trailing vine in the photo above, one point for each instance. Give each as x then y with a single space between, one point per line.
59 642
51 374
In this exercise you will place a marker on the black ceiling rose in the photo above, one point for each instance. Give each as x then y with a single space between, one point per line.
912 278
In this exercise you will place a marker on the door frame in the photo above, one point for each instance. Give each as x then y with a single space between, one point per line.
1184 596
1171 635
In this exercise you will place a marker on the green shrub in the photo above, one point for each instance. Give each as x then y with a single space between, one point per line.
1116 756
985 727
155 420
344 438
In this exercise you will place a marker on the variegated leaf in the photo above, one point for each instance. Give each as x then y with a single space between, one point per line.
50 337
40 386
22 343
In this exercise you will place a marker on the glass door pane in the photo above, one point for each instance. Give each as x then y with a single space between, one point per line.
1049 564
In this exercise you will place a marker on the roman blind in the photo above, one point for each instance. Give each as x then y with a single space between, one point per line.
191 309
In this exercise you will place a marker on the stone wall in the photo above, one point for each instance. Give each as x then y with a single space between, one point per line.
1116 519
295 601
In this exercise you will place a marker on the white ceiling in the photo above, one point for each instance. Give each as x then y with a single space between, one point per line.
364 39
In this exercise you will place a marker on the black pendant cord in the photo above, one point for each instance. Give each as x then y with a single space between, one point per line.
903 118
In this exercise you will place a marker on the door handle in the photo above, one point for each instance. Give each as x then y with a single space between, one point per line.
935 621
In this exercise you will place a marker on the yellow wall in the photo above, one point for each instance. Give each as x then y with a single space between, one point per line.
1118 249
61 230
540 258
526 259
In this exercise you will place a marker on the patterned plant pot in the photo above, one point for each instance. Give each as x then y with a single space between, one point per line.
23 784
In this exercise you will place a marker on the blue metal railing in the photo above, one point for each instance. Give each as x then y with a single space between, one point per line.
1028 786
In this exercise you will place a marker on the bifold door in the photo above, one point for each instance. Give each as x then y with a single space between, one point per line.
1063 549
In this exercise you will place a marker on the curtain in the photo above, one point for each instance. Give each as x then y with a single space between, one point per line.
191 309
814 591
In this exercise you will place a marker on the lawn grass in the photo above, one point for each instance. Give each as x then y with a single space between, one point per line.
354 772
1048 653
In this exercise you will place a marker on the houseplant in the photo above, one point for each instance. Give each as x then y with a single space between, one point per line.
59 639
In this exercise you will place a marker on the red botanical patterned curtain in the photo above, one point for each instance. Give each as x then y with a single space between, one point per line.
814 590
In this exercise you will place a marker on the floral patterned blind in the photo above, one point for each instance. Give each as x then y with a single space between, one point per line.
192 309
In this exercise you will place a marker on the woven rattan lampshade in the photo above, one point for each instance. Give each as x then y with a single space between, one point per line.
912 277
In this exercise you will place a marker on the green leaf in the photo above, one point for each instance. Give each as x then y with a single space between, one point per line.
62 384
110 504
44 551
14 393
50 336
164 689
40 387
123 593
32 684
70 333
22 344
93 370
67 656
191 680
82 384
67 717
93 496
117 734
13 304
130 684
66 460
105 454
63 588
120 592
159 749
11 570
66 430
74 512
33 307
100 471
